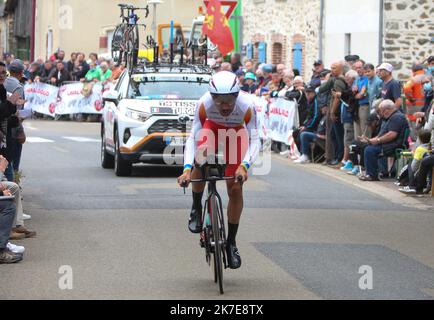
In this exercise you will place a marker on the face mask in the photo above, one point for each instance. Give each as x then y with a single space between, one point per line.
427 86
431 68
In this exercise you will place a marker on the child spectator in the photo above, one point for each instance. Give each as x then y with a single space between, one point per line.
420 152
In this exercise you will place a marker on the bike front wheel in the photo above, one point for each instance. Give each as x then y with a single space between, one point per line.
218 243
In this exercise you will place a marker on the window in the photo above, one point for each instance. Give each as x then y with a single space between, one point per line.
347 46
297 57
277 54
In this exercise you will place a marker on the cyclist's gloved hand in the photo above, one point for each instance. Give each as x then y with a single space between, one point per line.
184 179
241 175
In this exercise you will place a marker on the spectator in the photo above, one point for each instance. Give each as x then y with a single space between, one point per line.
374 85
281 69
414 96
425 169
421 151
391 89
93 74
313 117
117 72
8 107
360 89
248 66
70 64
349 107
105 72
288 82
307 137
60 55
391 137
240 75
236 62
276 80
7 213
59 75
335 83
264 77
357 148
226 66
81 68
93 58
7 58
249 84
34 71
16 136
351 60
45 72
297 94
318 67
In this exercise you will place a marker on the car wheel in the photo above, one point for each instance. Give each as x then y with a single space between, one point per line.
123 167
107 160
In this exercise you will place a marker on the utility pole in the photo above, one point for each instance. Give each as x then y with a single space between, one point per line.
154 3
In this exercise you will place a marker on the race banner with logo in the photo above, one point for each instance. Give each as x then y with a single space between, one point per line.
283 119
80 98
261 105
41 98
68 99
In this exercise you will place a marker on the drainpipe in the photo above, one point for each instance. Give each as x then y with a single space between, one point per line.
381 33
321 30
33 32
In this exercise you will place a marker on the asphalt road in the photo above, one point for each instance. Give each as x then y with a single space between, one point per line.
307 232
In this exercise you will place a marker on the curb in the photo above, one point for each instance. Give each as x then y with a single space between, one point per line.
380 189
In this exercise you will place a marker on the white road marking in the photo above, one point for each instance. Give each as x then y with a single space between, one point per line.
29 127
38 140
81 139
61 150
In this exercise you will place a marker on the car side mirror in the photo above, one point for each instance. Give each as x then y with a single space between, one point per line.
111 96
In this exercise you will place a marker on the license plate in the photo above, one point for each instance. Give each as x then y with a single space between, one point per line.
183 110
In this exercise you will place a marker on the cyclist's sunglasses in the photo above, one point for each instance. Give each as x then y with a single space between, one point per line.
224 99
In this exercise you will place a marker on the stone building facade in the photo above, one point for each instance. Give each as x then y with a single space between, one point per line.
408 33
286 29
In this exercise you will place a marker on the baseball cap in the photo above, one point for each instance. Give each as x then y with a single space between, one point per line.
267 68
386 66
318 62
16 66
239 73
352 57
430 59
250 75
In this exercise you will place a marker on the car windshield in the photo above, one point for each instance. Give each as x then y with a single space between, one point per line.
168 89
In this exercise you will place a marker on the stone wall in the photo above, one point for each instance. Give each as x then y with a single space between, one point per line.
408 33
283 22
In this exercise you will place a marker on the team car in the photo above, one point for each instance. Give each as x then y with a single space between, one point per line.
147 117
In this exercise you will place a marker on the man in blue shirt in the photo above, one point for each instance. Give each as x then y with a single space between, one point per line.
374 84
360 89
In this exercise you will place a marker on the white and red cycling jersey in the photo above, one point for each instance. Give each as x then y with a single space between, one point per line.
241 122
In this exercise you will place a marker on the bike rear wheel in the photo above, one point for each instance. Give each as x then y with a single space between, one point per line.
218 243
117 53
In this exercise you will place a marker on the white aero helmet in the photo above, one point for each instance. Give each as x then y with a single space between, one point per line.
224 82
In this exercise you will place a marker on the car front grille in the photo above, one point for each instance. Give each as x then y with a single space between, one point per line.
170 125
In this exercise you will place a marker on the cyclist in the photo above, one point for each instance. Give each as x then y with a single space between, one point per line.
222 113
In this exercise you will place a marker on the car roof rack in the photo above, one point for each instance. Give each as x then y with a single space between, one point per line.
151 67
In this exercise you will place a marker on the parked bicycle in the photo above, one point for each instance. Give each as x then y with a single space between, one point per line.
125 43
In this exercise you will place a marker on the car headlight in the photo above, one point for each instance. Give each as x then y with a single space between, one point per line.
138 116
